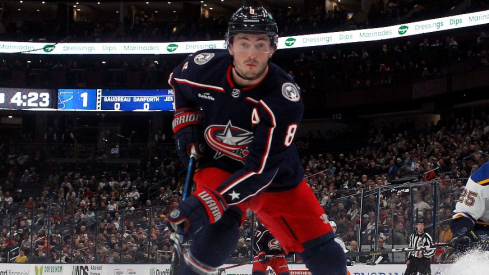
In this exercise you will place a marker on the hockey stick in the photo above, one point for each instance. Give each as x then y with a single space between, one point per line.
396 250
46 47
190 173
222 271
407 249
177 255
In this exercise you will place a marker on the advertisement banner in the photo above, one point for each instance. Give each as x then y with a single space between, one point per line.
360 269
320 39
164 269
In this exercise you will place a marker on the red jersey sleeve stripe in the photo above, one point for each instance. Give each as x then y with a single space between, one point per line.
200 85
270 136
251 100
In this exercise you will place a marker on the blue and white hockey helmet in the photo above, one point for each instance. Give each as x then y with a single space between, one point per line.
332 223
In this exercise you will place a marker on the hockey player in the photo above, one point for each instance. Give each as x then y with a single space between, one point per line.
267 245
241 112
338 238
419 261
470 221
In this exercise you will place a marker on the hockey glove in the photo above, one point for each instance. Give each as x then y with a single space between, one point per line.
197 212
462 240
187 126
262 256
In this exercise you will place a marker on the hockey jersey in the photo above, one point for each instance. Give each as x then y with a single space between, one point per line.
266 242
473 202
249 130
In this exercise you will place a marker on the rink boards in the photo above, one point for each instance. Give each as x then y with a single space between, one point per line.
164 269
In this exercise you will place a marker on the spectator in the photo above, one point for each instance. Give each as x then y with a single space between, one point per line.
420 206
380 247
241 249
445 233
50 136
133 195
354 248
398 237
40 257
452 48
159 136
21 258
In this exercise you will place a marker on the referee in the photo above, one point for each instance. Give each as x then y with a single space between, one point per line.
419 261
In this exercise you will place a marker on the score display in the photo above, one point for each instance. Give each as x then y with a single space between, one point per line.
77 99
115 100
25 98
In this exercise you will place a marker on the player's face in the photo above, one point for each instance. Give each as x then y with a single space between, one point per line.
251 53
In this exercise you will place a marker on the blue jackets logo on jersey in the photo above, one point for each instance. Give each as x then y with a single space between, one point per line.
274 244
175 213
203 58
290 92
229 140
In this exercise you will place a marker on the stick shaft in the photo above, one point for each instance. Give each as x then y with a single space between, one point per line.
249 262
177 255
188 179
395 250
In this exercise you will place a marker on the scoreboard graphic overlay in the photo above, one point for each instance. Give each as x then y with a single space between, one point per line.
115 100
27 99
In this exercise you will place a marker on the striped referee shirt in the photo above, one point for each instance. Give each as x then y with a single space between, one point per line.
416 240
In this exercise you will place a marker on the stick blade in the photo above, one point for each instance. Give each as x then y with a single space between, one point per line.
175 263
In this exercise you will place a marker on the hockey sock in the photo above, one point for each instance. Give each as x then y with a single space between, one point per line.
214 245
326 258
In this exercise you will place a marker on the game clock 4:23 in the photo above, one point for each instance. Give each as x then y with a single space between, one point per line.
20 99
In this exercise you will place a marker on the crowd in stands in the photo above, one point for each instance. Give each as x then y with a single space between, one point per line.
389 63
88 212
440 156
109 213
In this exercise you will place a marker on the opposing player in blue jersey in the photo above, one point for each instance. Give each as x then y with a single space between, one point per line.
241 112
470 221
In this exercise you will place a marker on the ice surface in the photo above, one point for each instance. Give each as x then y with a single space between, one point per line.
473 263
